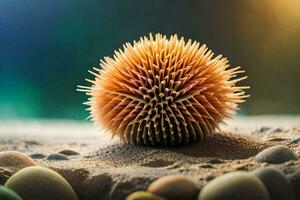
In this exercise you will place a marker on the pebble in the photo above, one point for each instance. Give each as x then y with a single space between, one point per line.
15 160
68 152
31 142
295 141
210 177
278 130
57 156
36 155
143 195
264 129
277 184
295 181
234 186
215 161
36 183
175 187
275 155
7 194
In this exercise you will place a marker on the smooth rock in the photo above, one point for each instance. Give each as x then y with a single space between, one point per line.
277 184
122 188
234 186
174 187
278 130
295 140
295 181
36 155
68 152
39 183
264 129
7 194
15 160
275 155
143 195
31 142
57 156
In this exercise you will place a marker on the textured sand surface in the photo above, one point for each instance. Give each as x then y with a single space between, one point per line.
106 169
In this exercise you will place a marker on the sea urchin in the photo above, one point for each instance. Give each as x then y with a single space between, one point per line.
163 92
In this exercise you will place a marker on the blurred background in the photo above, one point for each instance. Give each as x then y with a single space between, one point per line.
46 47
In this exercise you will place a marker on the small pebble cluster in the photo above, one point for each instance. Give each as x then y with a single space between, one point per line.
267 183
32 182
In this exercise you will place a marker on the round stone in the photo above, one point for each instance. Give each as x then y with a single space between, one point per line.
36 155
143 195
277 184
7 194
32 142
15 160
174 187
275 155
68 152
295 140
235 185
295 181
36 183
57 156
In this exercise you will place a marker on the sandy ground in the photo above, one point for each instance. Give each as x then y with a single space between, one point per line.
108 170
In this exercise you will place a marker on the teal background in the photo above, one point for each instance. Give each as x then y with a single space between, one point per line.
46 47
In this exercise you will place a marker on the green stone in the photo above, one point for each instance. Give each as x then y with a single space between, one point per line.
39 183
7 194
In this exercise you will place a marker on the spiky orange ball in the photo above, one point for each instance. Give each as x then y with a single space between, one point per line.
163 92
